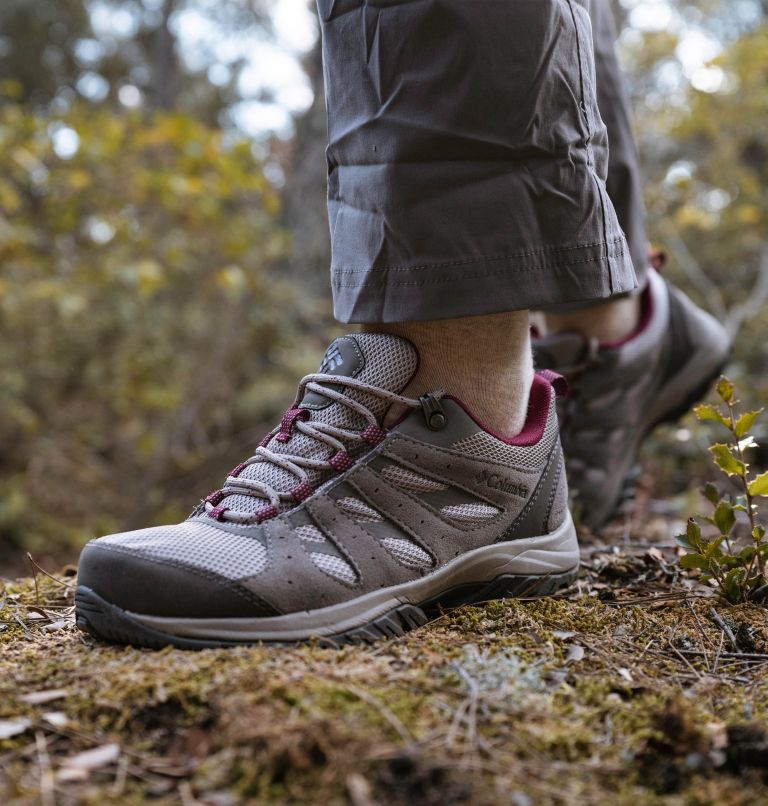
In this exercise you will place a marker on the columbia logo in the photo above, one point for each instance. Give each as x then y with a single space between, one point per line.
497 482
332 361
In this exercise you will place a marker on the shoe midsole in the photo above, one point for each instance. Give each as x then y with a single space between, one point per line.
551 554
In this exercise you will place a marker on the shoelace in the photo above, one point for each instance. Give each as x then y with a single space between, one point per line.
298 419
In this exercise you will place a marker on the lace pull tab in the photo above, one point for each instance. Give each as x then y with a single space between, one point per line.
433 412
556 381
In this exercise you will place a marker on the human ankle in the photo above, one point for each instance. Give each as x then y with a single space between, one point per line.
485 361
609 321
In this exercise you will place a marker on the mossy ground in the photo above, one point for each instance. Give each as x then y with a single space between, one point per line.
622 691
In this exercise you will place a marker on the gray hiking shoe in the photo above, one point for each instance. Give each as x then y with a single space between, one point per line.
620 392
341 530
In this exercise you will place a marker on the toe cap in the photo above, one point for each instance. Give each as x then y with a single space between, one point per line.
161 587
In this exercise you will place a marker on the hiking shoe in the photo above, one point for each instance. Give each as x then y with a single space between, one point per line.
619 392
341 530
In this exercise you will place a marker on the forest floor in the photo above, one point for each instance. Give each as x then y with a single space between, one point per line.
634 686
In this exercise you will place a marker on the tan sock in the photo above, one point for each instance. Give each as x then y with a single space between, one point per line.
606 321
485 361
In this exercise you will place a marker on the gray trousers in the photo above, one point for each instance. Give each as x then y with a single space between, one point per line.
468 163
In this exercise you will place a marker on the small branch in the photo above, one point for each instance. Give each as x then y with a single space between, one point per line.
36 568
742 313
717 618
34 577
693 271
719 651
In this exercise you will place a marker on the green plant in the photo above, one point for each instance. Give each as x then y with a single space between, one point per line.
737 571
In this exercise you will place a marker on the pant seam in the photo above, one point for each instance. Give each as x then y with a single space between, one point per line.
482 275
487 258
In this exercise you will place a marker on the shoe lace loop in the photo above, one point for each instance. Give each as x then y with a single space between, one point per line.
295 419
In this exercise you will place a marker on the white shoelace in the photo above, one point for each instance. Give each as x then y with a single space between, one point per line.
298 465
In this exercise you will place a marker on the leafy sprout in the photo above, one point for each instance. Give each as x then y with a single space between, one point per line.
736 568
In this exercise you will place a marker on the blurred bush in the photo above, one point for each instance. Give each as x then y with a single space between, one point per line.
704 151
143 323
154 312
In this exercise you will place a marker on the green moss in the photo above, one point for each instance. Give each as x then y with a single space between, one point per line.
483 700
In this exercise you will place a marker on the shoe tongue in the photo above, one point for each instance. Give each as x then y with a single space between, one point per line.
380 359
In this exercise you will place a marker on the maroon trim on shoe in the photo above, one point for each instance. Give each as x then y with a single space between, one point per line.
288 422
539 402
265 514
341 461
236 471
302 491
217 513
646 315
373 435
556 381
215 498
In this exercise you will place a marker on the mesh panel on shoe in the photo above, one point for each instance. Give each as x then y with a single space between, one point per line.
193 543
311 533
469 513
408 480
334 566
483 445
358 511
407 553
389 364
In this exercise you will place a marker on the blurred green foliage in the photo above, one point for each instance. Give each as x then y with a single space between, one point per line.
705 159
143 322
153 319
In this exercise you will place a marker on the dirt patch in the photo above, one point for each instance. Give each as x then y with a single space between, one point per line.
624 689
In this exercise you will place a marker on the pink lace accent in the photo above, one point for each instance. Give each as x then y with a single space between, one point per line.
265 514
215 498
373 435
341 461
288 422
302 491
236 471
217 512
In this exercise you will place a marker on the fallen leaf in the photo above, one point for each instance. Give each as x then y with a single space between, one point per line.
718 733
575 653
359 790
626 674
40 697
13 727
563 634
56 625
655 554
56 718
93 759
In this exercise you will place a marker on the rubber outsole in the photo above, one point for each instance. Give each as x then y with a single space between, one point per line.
107 622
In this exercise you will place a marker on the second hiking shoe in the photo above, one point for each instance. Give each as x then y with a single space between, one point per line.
340 530
619 392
